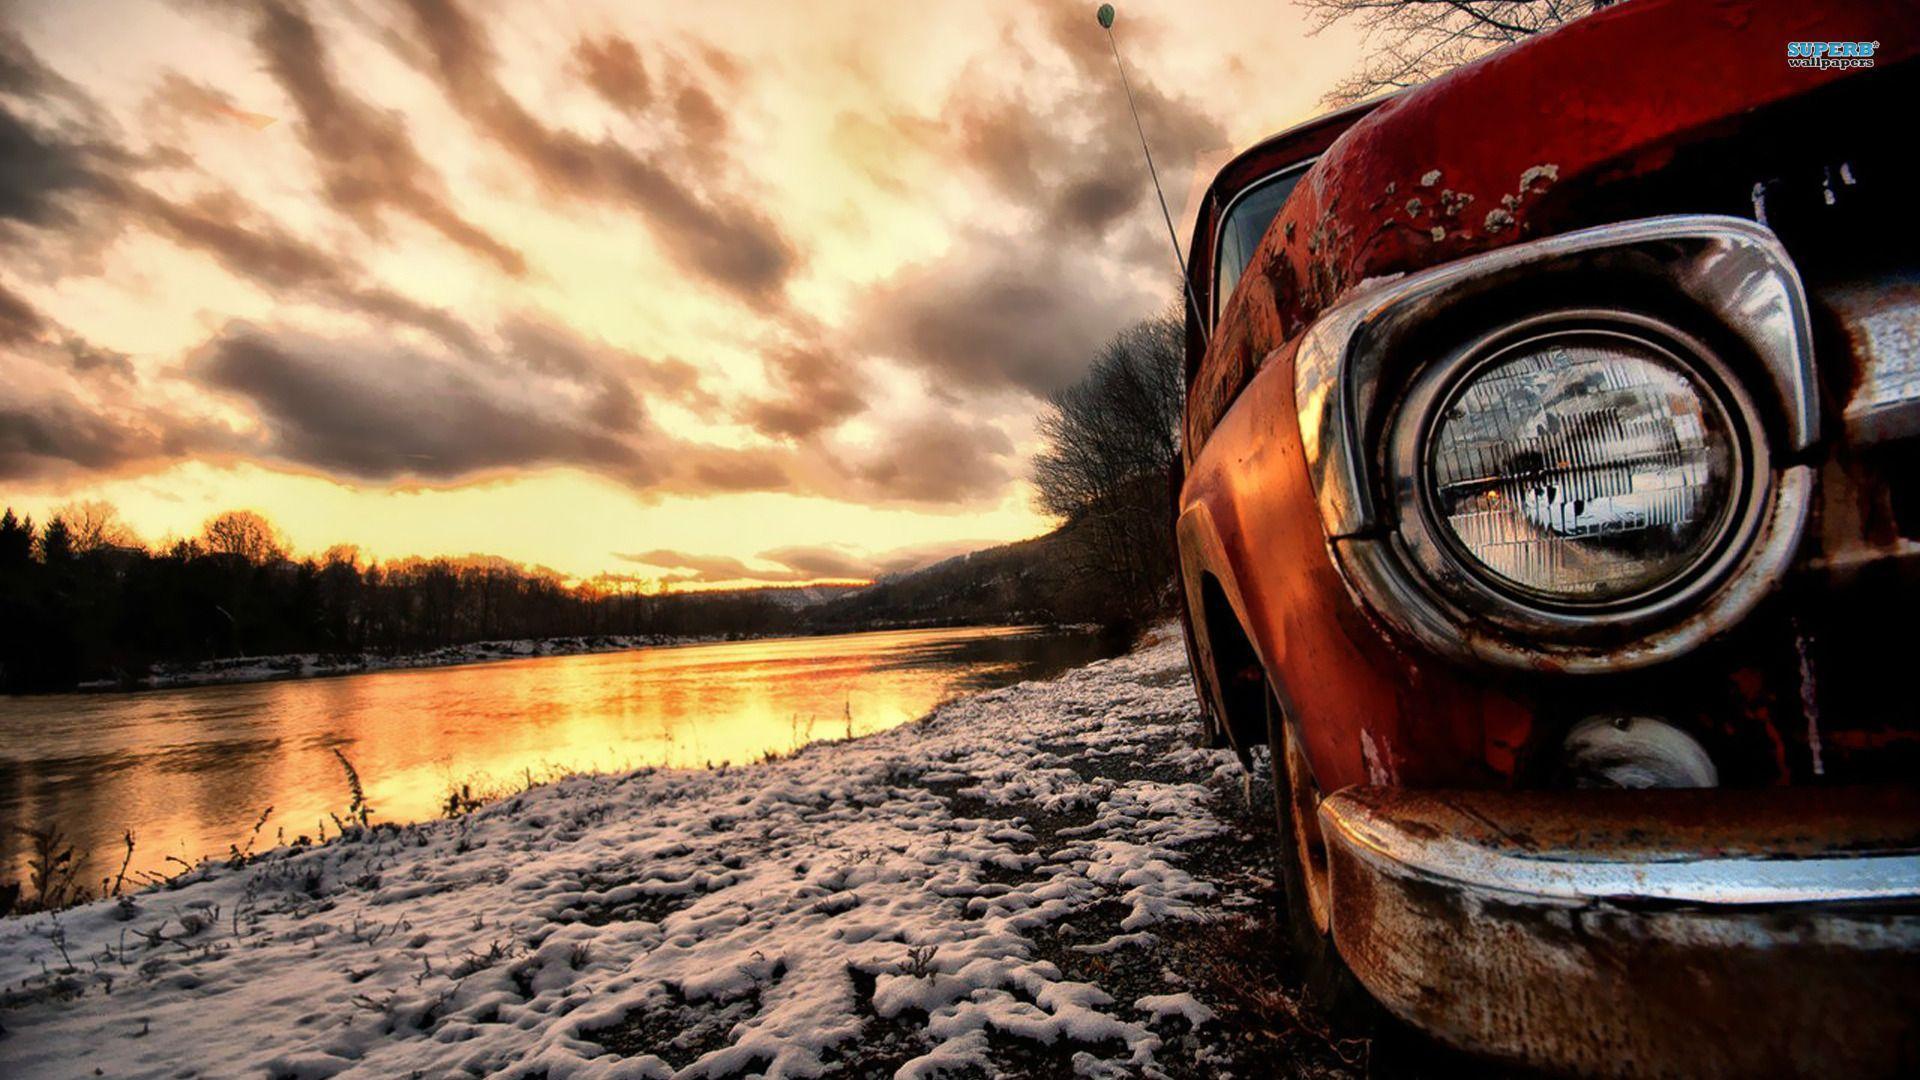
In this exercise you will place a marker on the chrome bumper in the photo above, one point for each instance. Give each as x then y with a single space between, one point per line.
1705 933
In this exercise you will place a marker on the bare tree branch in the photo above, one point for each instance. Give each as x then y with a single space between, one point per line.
1412 41
1109 444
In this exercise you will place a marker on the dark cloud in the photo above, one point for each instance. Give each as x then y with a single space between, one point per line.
1003 140
612 66
819 389
545 349
726 66
89 359
57 435
18 320
698 115
939 458
721 469
1073 158
727 241
23 75
39 170
45 175
68 406
225 226
368 163
995 313
1027 310
21 72
385 412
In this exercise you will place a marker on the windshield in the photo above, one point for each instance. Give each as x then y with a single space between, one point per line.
1246 222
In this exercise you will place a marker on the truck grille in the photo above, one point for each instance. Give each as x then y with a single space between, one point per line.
1816 688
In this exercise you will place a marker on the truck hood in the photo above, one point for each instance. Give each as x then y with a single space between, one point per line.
1511 147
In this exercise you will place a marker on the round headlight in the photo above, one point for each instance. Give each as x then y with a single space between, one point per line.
1583 467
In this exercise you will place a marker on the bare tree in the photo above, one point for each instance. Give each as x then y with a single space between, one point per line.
245 534
1411 41
1110 442
347 555
96 525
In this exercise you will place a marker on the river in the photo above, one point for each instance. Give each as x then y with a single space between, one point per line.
190 771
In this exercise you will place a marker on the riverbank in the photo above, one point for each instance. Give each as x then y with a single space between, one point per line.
250 669
254 669
1035 880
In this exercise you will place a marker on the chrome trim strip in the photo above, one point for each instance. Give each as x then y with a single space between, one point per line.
1735 269
1597 948
1704 880
1880 320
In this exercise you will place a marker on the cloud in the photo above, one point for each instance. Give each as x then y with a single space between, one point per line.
22 74
700 118
69 407
367 161
90 359
1023 170
937 458
728 242
18 320
707 569
796 564
1026 309
382 411
819 390
58 435
39 170
820 561
238 237
612 66
224 225
178 97
996 313
48 177
840 561
377 410
725 469
547 349
1071 156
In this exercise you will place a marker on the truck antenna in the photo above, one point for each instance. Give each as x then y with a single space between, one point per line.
1105 14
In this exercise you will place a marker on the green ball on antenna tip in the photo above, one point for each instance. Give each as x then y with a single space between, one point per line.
1105 15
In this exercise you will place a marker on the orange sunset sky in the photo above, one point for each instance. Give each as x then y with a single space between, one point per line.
710 292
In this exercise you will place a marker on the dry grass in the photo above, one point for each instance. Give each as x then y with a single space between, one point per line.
55 865
466 795
359 812
1237 963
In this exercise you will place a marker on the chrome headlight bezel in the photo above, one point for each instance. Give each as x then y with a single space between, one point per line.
1448 569
1358 362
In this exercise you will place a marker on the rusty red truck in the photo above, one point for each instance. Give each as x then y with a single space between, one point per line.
1551 507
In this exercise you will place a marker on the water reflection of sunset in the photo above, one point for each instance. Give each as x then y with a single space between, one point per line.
190 771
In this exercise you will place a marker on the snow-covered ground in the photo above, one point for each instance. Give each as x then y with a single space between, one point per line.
992 891
242 669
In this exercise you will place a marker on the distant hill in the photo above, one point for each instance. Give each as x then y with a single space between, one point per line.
1026 581
785 597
